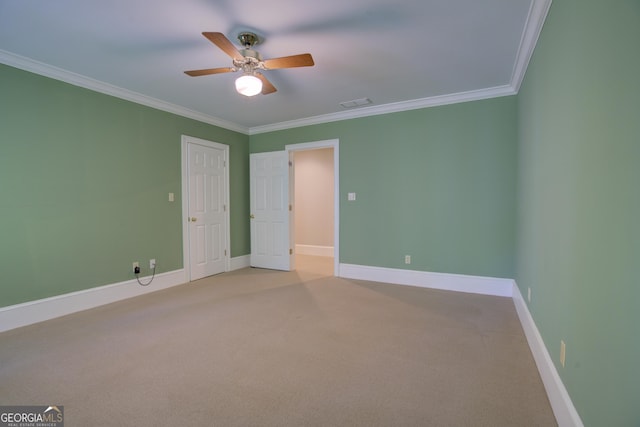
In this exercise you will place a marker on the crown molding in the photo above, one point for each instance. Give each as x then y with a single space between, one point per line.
27 64
394 107
535 20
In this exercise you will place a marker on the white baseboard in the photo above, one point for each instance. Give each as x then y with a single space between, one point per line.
563 409
27 313
30 312
314 250
239 262
425 279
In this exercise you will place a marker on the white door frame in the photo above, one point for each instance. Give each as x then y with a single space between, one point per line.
185 141
335 144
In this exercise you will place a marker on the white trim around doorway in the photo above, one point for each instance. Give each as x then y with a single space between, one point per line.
335 144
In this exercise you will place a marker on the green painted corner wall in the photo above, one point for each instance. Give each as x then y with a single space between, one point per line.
579 202
84 183
437 184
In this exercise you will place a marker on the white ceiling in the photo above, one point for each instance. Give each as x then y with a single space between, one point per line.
401 54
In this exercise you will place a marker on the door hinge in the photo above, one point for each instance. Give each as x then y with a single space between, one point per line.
290 163
290 251
225 252
224 208
290 208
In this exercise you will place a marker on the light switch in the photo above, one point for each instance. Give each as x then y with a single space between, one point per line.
351 196
171 198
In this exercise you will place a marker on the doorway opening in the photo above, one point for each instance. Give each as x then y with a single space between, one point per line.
314 194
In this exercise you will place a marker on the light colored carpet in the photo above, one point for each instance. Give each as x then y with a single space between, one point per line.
267 348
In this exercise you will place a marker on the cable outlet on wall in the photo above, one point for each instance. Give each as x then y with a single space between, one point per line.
136 267
152 263
407 259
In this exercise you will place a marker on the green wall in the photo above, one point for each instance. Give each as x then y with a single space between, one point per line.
579 202
436 183
84 183
85 179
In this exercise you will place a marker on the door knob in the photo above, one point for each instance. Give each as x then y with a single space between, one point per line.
193 219
251 216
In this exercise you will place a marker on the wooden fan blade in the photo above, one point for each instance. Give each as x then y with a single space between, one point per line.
206 72
267 87
224 44
302 60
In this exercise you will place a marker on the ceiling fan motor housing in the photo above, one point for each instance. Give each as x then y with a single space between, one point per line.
251 54
251 58
250 61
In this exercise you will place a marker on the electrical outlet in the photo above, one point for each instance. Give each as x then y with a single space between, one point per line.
529 294
563 352
152 263
407 259
136 267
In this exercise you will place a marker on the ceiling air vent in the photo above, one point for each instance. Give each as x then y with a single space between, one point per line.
355 103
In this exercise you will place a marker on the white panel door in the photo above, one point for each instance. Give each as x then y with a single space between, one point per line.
269 194
206 217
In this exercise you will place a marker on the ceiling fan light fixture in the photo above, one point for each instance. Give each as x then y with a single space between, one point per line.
248 85
248 60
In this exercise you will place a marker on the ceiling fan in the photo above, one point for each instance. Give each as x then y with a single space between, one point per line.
250 62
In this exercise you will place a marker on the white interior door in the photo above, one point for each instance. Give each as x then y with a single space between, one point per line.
269 195
206 215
